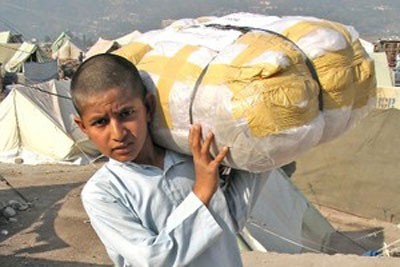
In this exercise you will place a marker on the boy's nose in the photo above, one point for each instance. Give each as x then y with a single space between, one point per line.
118 130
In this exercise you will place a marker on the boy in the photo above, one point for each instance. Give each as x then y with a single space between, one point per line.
148 205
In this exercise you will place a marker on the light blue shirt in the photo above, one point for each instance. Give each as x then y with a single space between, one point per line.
146 216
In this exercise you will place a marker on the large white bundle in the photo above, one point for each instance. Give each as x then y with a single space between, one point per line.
255 89
344 68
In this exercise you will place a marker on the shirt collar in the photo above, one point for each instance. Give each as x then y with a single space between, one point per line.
171 158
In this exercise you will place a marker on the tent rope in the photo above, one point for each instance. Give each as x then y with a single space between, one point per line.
282 237
43 91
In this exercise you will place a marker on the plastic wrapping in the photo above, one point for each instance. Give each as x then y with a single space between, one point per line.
248 78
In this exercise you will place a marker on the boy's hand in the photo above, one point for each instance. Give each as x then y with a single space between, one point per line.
206 168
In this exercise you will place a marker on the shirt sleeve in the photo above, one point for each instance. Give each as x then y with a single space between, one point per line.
129 242
241 192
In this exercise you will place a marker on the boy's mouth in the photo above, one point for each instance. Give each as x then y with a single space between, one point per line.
121 147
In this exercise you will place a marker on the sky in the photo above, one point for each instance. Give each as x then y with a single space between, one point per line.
109 19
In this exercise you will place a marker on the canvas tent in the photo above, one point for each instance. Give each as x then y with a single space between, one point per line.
360 170
284 221
7 51
128 38
4 37
8 37
36 125
26 52
59 42
107 46
102 46
68 51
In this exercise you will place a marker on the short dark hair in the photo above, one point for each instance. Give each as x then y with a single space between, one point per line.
101 73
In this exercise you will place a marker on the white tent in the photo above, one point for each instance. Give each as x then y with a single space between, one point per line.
24 52
368 46
36 125
283 220
102 46
5 37
68 51
128 38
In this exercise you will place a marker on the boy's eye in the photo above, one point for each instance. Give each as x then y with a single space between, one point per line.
100 122
126 113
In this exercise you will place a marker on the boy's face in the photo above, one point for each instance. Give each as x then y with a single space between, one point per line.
116 122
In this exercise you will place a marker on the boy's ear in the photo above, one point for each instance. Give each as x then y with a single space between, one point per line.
79 122
150 103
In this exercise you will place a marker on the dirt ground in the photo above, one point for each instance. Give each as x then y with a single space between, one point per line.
55 230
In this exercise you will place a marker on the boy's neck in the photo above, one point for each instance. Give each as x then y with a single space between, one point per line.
154 156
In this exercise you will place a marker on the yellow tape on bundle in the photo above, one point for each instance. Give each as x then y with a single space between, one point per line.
347 76
303 28
170 70
134 52
365 85
274 91
336 75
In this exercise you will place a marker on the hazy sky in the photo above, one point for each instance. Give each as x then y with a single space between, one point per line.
112 18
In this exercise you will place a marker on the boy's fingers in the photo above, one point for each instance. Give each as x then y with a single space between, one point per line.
205 148
221 155
194 138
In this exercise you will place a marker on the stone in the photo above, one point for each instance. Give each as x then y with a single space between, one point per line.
13 220
4 232
17 205
18 161
9 212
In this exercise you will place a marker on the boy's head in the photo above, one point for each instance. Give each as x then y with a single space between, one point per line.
102 72
114 109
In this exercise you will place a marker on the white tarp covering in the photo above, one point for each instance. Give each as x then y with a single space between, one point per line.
36 125
251 80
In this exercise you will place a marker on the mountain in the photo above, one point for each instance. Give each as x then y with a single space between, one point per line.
110 19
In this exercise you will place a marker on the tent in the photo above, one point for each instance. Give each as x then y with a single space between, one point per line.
68 51
36 125
102 46
358 173
59 42
368 46
8 37
4 37
7 51
284 221
128 38
26 52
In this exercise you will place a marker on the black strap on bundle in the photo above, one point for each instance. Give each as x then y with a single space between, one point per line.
244 30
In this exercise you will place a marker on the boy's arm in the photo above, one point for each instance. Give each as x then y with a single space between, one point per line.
206 168
243 189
